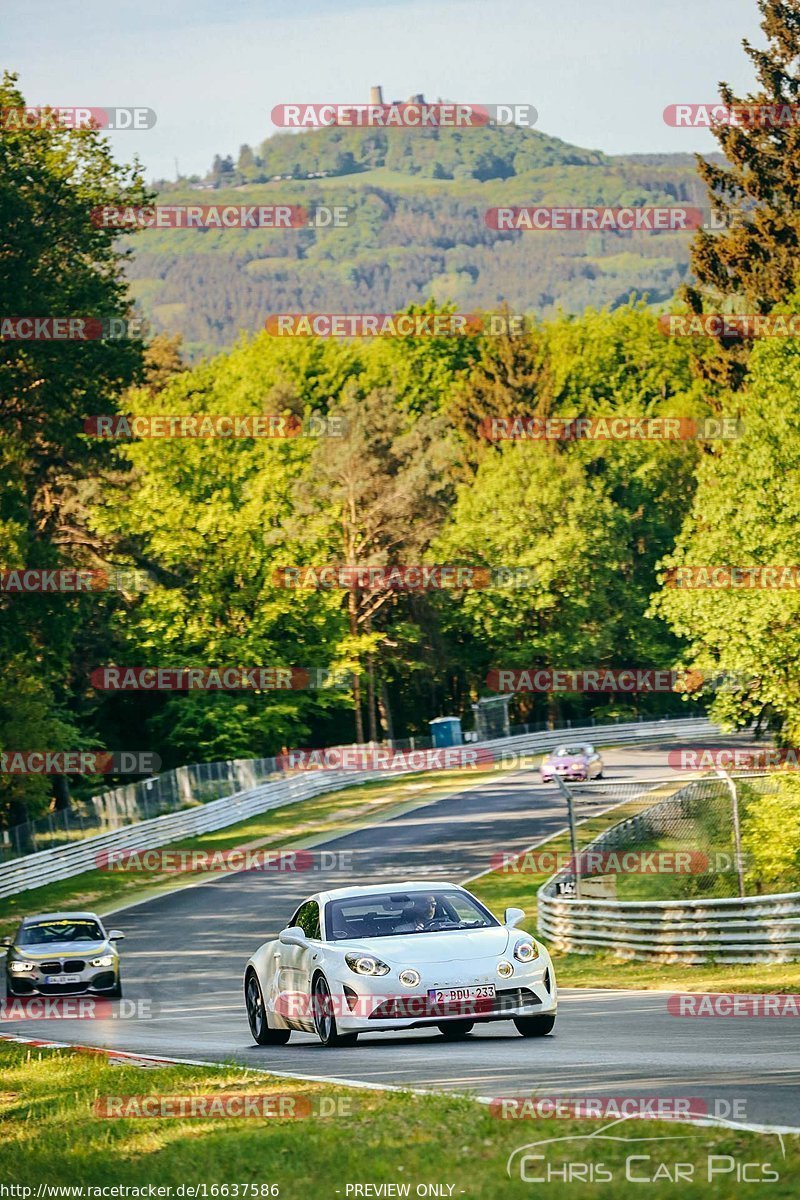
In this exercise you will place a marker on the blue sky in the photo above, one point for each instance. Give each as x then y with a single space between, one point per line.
600 72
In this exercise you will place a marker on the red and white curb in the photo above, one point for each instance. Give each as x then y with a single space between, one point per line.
113 1056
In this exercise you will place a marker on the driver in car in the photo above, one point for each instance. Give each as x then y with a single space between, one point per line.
422 913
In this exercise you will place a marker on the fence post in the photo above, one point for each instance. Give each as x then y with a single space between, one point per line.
573 839
737 837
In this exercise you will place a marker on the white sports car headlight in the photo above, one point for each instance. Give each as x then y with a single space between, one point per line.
21 965
525 951
106 960
365 964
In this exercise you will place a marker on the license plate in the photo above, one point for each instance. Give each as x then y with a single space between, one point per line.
62 978
452 995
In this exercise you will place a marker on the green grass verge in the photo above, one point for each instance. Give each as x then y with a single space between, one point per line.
323 816
605 970
52 1135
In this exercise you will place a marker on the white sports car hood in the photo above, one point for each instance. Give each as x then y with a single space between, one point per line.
413 948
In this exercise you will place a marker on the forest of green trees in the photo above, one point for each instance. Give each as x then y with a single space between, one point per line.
599 524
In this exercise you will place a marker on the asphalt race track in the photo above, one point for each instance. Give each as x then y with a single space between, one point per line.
184 952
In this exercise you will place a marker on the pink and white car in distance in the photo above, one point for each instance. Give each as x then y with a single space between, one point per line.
575 760
398 956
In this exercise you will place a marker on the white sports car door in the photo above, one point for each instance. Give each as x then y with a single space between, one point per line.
295 966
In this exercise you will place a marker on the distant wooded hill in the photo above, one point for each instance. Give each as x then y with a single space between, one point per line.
417 230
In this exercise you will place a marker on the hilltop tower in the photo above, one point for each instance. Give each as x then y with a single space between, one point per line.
376 95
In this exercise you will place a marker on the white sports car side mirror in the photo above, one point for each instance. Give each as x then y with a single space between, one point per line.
513 916
293 936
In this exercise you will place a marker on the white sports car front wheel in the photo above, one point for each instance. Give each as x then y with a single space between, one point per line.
324 1017
257 1015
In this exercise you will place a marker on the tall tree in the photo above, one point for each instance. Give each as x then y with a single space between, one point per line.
210 519
54 262
381 492
752 263
246 160
745 514
563 544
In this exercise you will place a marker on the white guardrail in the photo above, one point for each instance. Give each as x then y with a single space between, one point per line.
755 929
751 929
63 862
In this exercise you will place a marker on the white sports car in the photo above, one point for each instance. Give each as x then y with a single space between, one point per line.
398 956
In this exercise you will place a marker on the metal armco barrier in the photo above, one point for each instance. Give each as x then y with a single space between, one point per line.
754 929
63 862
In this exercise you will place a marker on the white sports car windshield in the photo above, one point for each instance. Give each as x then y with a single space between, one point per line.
387 914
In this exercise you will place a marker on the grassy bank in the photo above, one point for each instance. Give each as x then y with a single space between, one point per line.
53 1135
607 971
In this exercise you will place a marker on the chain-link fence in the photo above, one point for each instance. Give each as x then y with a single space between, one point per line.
171 791
673 840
